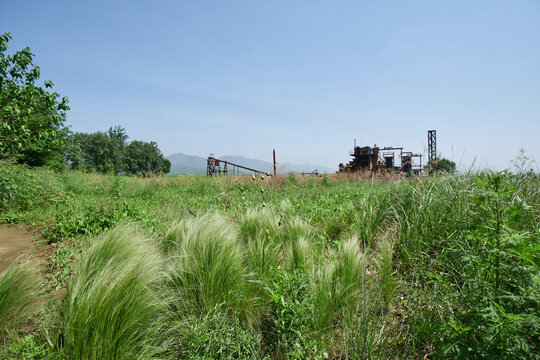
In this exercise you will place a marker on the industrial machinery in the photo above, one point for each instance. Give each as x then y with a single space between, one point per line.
389 158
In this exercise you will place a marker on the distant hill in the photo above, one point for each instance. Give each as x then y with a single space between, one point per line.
182 164
187 164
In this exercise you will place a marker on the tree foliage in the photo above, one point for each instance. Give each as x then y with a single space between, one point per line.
110 153
32 118
445 165
145 158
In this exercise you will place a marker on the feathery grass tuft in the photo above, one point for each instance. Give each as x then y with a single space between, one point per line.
337 283
114 304
19 296
208 268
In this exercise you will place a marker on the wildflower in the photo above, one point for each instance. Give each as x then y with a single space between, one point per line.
267 232
253 177
263 204
262 176
268 173
279 267
262 190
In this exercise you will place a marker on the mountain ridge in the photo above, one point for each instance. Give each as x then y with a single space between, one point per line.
183 164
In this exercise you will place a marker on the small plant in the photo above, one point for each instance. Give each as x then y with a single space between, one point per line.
290 332
220 336
24 348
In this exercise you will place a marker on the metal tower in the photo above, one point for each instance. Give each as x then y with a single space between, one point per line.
432 146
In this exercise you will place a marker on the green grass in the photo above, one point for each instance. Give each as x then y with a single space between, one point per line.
19 296
115 304
443 267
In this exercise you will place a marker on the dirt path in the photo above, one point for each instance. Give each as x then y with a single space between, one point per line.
14 242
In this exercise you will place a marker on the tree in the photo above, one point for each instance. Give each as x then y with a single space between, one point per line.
145 158
445 165
102 152
32 118
115 148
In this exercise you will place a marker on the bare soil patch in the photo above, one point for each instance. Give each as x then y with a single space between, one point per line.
14 243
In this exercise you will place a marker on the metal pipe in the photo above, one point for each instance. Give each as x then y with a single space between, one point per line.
274 161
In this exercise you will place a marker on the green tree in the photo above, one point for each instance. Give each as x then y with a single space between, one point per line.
145 158
445 165
116 147
32 118
102 152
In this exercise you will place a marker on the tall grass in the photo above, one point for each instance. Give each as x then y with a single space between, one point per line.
115 303
19 296
208 268
337 283
443 266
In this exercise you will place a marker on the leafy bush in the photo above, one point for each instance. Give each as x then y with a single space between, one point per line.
289 333
22 189
93 220
26 347
499 295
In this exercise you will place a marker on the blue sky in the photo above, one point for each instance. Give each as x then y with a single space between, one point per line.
304 77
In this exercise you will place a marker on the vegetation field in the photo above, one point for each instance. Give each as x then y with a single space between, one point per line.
263 268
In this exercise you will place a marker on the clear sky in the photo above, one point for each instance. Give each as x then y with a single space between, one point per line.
304 77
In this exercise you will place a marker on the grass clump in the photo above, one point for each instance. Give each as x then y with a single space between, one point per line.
114 303
338 282
208 268
19 296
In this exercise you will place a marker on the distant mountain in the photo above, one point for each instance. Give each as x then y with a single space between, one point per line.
187 164
182 164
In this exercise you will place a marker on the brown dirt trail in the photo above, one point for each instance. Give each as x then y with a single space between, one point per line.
14 243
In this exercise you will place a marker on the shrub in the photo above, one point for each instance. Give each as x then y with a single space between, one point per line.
91 221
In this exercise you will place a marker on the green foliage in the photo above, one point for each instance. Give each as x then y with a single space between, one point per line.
220 336
337 282
207 268
31 117
19 295
21 189
114 306
110 153
102 152
90 221
499 293
25 348
444 165
289 330
418 268
145 158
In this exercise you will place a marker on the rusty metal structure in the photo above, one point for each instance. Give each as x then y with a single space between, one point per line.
432 146
218 167
376 158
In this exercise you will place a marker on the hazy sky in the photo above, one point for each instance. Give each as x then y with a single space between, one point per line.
304 77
